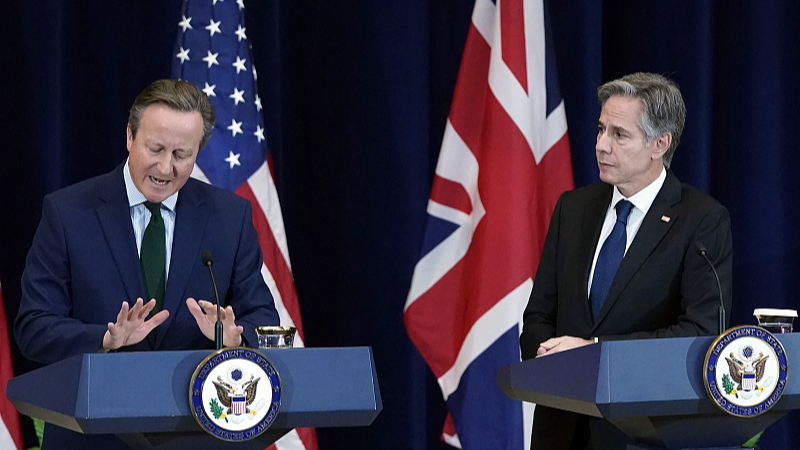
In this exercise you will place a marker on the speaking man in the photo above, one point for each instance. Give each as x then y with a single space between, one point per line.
116 262
622 257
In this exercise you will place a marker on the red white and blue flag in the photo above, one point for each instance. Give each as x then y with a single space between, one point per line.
503 163
212 51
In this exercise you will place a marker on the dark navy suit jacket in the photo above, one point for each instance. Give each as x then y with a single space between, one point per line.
84 263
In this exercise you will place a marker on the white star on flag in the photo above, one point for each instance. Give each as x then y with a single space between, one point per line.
240 3
185 23
237 96
235 127
213 27
211 59
259 133
258 103
240 32
183 55
233 159
239 64
209 90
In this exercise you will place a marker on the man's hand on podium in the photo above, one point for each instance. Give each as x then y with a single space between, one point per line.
559 344
205 313
132 324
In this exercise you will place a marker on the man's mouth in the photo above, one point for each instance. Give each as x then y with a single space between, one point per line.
158 181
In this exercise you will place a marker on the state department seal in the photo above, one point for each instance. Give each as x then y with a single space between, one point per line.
745 371
235 394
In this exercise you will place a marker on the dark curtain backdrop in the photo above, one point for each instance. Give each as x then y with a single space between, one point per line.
356 95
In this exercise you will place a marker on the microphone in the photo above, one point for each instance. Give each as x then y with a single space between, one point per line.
721 324
208 261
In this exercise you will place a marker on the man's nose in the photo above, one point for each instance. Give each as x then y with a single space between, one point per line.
165 163
602 142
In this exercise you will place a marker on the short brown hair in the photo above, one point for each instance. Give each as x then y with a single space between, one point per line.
178 95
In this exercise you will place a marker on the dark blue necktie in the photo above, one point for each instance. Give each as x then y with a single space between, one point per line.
610 257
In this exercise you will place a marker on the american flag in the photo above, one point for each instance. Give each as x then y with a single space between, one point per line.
503 163
212 51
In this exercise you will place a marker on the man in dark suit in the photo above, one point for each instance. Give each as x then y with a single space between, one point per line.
622 258
84 282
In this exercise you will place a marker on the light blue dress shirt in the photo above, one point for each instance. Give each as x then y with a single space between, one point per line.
140 215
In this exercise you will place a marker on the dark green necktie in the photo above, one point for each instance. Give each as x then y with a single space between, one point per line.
153 256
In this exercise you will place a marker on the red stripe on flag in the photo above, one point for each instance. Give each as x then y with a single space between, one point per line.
273 259
8 413
309 437
512 24
451 194
472 86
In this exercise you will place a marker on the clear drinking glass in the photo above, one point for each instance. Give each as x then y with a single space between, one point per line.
275 337
776 320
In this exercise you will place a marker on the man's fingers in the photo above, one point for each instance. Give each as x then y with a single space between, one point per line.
227 316
208 307
195 311
145 310
123 313
157 319
134 311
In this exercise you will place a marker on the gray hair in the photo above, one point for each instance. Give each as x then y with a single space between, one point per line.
663 110
178 95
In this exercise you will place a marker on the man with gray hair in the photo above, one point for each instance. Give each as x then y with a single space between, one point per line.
622 257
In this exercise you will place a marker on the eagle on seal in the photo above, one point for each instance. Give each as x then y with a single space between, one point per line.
225 391
738 369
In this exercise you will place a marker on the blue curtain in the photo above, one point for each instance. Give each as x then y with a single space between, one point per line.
356 96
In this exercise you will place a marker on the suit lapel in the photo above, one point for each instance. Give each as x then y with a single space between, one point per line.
651 232
190 221
115 219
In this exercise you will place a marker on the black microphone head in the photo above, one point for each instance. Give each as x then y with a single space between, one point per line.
208 258
701 249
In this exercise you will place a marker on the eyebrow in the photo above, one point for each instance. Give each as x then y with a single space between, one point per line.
613 127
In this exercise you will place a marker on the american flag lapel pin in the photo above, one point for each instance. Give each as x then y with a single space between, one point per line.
665 219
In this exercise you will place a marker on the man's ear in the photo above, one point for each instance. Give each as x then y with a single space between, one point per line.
661 146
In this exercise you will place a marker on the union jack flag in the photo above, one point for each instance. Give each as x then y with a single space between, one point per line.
503 163
212 51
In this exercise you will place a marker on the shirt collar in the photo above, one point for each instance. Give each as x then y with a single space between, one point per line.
135 196
643 199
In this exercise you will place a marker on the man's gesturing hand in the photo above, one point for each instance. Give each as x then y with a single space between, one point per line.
205 313
132 324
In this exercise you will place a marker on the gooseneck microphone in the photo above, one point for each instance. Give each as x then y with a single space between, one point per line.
208 261
721 324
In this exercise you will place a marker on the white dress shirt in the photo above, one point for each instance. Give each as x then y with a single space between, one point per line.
641 201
